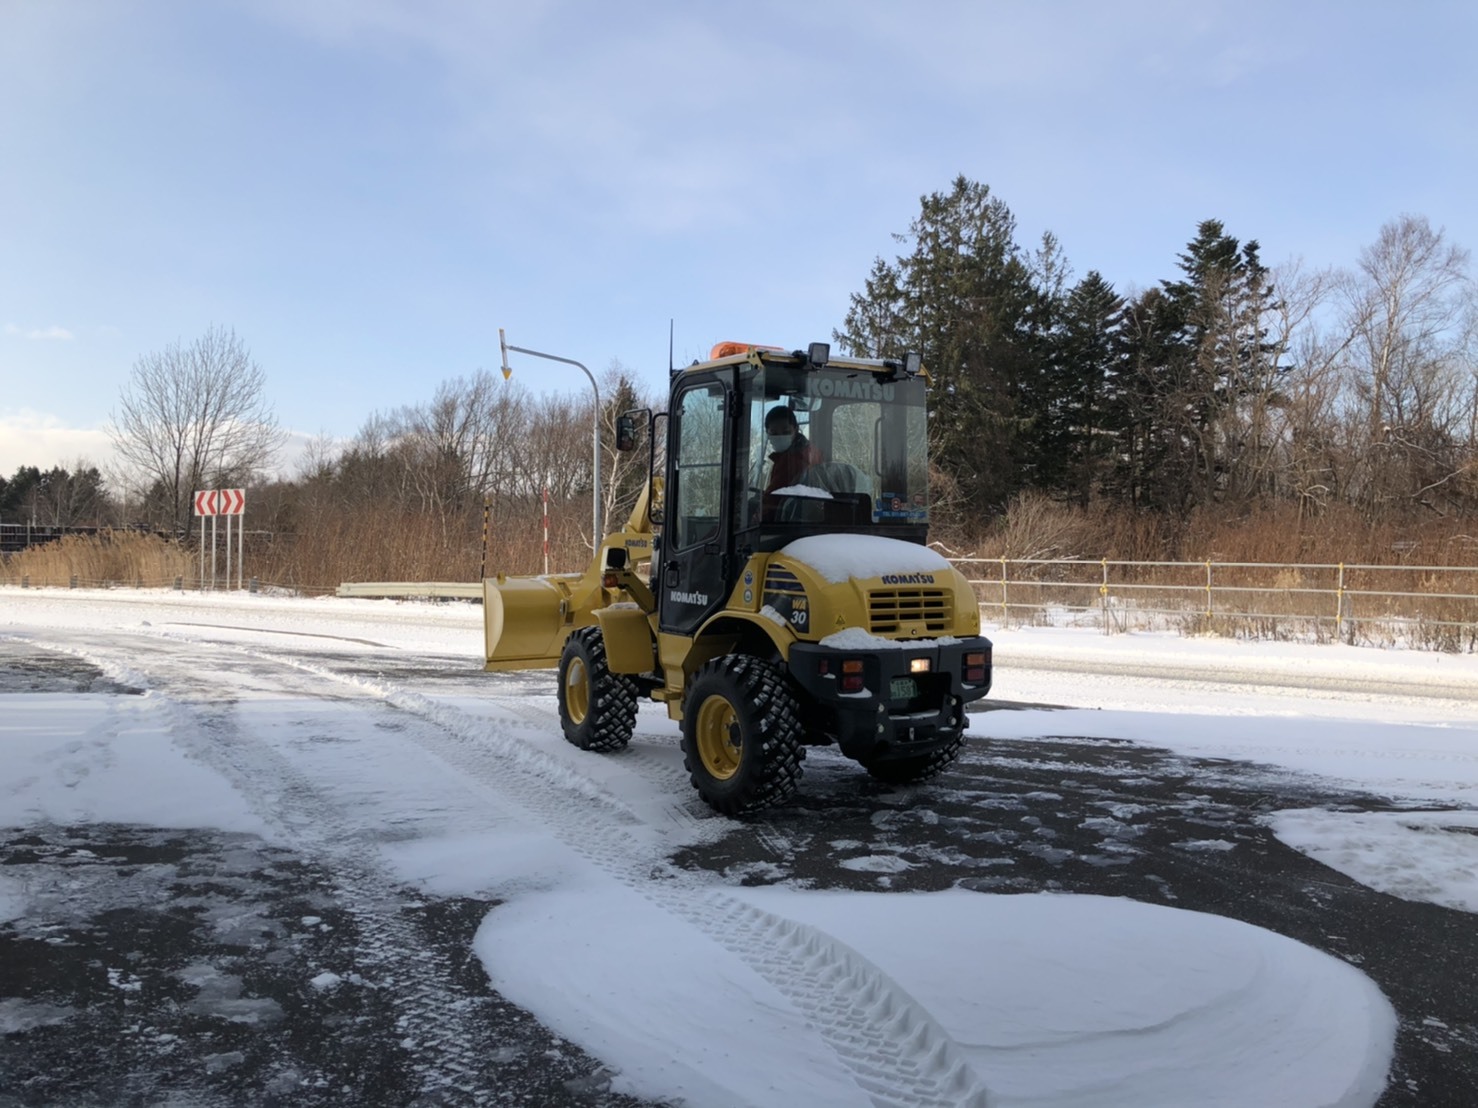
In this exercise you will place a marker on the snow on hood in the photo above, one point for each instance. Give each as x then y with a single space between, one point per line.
840 557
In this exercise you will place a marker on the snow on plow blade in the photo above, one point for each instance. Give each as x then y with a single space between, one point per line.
526 620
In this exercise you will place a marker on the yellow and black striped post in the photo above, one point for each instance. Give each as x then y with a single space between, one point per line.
486 507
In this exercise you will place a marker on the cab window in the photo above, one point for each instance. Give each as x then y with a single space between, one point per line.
697 498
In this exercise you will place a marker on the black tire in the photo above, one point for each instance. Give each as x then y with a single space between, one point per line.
742 735
907 771
597 708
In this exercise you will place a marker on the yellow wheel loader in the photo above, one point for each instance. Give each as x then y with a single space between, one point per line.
772 587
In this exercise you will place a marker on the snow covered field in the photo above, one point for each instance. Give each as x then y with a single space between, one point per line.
362 735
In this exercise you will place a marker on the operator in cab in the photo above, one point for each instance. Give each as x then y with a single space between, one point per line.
792 454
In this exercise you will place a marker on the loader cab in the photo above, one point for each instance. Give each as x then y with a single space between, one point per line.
728 494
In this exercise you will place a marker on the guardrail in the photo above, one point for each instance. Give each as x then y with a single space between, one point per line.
457 590
1347 601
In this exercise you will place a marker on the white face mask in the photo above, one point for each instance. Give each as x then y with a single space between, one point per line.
780 443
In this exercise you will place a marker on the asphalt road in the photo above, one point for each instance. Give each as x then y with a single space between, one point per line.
206 968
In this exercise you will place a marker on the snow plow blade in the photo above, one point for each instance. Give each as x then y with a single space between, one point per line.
527 619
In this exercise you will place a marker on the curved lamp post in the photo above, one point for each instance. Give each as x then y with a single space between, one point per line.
595 535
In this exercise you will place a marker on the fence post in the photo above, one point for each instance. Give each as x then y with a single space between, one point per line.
1103 594
179 583
253 586
25 580
1208 592
1339 603
73 583
1004 613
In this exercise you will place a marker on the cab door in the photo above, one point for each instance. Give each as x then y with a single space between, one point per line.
697 537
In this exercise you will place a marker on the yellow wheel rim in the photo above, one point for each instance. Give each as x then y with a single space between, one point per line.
577 691
718 738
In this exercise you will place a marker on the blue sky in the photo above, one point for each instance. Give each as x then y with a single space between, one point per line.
366 190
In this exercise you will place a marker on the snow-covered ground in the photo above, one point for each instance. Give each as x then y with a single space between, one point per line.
331 725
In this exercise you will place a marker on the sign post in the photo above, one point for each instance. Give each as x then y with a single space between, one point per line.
205 505
228 503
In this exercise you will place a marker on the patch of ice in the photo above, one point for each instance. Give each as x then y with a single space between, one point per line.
1422 856
876 863
18 1016
12 899
1205 845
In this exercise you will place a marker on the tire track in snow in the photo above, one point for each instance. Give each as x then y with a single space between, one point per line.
896 1051
893 1047
653 762
446 1050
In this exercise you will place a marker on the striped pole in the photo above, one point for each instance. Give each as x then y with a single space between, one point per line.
486 505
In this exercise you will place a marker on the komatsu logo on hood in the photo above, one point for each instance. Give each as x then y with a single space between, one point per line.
908 579
689 598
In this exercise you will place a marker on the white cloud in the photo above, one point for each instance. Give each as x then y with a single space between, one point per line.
31 438
39 333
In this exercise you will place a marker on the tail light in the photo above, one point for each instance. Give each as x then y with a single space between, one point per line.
852 675
975 665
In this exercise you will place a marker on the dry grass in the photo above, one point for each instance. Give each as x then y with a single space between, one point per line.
1299 583
112 558
1036 526
386 545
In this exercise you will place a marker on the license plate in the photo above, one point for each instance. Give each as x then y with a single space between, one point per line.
904 688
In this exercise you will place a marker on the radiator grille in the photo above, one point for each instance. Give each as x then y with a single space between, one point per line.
890 611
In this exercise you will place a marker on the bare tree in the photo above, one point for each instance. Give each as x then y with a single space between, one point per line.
1408 308
624 475
192 416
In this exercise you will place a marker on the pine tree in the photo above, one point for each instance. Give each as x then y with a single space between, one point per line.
1193 392
1087 348
1143 403
1039 390
961 297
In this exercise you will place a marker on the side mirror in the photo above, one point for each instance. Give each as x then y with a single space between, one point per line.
625 432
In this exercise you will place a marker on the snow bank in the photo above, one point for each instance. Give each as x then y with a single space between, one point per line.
354 624
676 1015
1055 999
